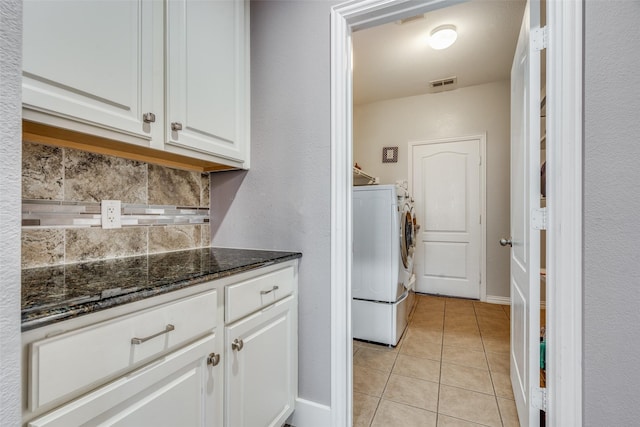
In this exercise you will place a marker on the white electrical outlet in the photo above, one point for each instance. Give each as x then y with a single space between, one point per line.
110 210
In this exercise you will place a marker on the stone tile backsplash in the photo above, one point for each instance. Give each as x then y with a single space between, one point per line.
185 188
73 177
90 177
42 172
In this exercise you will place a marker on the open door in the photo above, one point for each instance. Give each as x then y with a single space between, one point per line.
525 211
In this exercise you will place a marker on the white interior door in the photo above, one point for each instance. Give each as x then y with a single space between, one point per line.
446 185
525 198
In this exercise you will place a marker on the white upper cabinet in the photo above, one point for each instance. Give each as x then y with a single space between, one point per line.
90 61
207 77
172 75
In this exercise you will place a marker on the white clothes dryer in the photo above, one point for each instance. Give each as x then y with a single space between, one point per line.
381 269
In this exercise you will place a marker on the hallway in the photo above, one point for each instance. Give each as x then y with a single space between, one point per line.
451 368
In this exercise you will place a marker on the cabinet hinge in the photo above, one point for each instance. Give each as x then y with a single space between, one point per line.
539 38
539 218
539 399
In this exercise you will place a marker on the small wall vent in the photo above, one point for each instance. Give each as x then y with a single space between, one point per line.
443 84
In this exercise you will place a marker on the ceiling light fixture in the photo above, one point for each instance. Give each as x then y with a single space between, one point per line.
443 36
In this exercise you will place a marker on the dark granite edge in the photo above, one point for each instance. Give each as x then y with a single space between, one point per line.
33 320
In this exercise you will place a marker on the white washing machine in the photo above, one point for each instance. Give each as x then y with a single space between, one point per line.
382 270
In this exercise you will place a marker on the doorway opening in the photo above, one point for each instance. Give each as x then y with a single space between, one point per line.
565 25
452 234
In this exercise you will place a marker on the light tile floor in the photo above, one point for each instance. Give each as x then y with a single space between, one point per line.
450 369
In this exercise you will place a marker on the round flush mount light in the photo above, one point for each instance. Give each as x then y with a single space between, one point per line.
443 36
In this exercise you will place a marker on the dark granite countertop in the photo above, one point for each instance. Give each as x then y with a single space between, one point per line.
52 294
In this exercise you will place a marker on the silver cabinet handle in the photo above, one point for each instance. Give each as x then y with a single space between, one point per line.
169 328
175 126
237 344
269 291
148 117
213 359
506 242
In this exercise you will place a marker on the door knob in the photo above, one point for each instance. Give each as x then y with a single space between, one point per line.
176 126
505 242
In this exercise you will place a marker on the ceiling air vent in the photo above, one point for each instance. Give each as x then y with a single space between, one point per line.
443 84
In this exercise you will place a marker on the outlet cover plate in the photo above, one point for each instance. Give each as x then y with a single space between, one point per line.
111 213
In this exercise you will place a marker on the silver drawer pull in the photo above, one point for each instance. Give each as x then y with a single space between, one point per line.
169 328
237 344
269 291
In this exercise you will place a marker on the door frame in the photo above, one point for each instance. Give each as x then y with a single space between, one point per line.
482 140
564 197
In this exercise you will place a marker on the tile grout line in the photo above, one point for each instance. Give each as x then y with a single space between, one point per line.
484 349
396 353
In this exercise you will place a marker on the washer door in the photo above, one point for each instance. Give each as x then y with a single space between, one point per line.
407 236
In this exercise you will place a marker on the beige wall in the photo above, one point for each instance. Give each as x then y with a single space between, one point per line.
461 112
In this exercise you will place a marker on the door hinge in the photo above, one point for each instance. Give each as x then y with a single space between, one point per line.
539 399
539 38
539 218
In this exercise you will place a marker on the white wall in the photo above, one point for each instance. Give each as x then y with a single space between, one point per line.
10 177
466 111
283 202
611 347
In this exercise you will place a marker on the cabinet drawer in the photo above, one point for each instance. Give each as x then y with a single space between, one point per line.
78 360
172 392
246 297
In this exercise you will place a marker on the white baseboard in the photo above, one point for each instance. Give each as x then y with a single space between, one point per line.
492 299
310 414
507 301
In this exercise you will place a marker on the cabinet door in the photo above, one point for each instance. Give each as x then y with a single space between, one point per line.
181 389
91 62
261 376
207 78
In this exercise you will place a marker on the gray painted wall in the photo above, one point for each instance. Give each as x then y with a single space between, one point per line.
611 350
10 176
283 202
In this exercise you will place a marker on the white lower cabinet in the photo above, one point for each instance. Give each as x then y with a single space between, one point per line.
261 367
171 360
178 390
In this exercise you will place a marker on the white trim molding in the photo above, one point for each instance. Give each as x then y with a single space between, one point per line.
564 204
341 153
494 299
310 414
